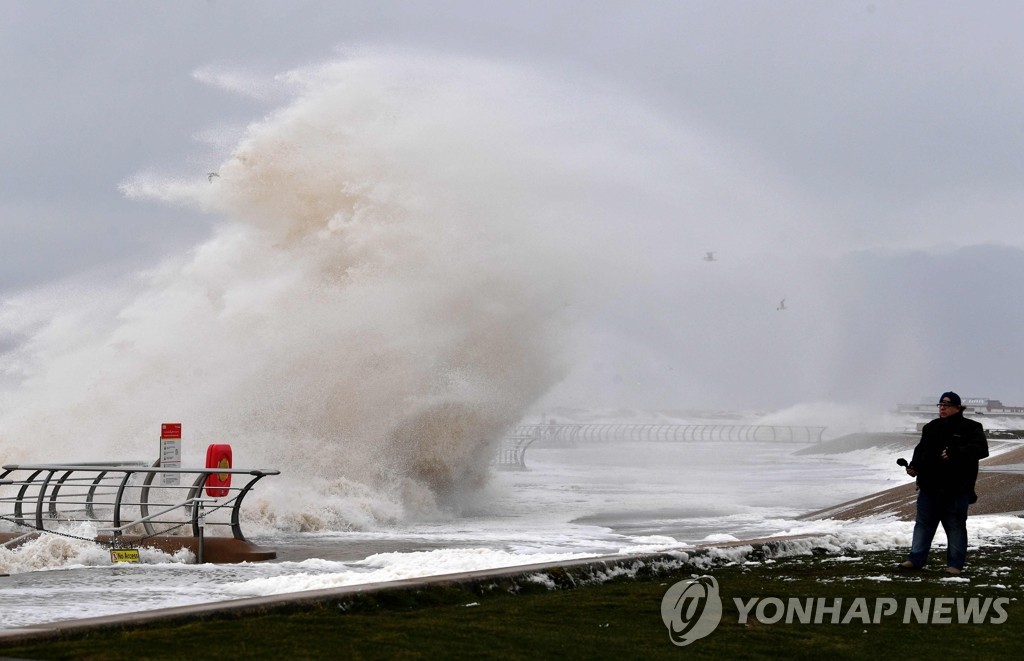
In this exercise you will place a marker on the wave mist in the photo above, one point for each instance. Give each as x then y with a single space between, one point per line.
384 295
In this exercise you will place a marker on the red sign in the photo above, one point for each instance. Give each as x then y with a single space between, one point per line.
170 430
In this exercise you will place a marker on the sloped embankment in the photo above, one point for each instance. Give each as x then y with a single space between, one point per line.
998 493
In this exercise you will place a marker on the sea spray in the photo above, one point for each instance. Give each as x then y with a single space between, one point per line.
408 255
380 302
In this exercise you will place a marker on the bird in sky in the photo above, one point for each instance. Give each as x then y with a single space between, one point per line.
710 256
782 305
211 175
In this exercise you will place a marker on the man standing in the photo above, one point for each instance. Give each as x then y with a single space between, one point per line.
945 464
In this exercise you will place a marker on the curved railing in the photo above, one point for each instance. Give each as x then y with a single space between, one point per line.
122 498
571 433
511 455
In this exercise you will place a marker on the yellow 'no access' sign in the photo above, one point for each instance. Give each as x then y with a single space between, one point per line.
124 555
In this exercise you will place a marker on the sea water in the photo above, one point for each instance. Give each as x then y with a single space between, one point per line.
583 501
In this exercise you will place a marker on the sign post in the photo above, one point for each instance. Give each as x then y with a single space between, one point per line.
170 452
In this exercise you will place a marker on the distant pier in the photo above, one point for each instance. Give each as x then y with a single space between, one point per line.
512 454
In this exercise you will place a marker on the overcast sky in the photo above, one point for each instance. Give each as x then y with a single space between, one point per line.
874 149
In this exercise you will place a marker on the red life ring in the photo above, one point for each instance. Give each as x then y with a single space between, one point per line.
218 456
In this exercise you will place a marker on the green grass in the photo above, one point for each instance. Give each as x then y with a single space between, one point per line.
518 619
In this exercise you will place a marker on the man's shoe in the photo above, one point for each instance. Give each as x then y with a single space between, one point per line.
952 570
907 566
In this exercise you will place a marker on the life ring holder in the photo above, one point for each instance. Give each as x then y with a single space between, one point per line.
218 455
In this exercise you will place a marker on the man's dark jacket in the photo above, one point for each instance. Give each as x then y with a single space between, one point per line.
965 443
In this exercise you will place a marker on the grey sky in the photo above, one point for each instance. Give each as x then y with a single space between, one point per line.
896 127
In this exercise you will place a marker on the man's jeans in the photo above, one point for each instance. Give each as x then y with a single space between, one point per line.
950 510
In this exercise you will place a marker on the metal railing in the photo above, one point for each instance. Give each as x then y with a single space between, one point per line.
512 453
572 433
122 498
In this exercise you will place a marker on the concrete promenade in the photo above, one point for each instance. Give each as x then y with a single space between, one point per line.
581 570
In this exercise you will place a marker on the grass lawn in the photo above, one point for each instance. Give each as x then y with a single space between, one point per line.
616 619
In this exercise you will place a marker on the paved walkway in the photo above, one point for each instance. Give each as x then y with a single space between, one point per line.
262 605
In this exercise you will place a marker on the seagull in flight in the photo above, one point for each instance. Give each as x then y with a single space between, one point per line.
782 305
710 256
211 175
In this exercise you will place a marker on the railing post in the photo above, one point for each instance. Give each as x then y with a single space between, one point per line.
56 493
201 524
39 500
19 510
236 525
89 509
119 497
197 492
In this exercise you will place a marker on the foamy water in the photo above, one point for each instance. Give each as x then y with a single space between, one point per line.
572 503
